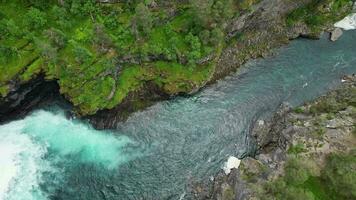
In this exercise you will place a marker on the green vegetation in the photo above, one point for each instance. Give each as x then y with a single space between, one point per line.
296 149
305 180
314 14
315 173
345 98
99 53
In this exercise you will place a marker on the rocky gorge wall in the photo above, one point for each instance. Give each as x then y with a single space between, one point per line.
268 24
311 134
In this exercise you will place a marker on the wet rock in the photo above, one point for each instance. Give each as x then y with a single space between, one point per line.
335 34
24 98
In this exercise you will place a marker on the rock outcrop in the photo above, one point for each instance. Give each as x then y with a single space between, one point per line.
254 33
26 97
313 131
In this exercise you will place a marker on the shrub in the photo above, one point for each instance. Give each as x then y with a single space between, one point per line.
8 28
35 19
7 53
143 20
195 48
339 175
296 149
299 110
56 37
82 55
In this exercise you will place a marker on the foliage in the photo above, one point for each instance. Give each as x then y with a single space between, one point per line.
142 22
95 49
296 149
82 55
8 53
312 15
35 19
340 176
302 180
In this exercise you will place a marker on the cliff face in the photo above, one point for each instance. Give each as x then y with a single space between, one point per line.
115 92
297 150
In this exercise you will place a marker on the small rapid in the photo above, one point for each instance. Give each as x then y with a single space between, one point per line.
160 152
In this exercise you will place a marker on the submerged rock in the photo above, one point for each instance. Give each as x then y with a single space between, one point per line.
336 34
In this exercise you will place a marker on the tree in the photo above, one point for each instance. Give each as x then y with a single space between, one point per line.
202 11
8 28
41 4
142 22
101 38
82 55
223 10
56 37
340 175
217 35
35 19
6 53
195 48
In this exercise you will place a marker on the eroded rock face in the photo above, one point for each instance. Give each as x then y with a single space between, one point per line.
263 28
319 133
26 97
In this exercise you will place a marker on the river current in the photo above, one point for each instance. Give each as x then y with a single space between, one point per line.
158 153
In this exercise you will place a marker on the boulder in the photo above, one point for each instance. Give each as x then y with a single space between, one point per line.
335 34
232 163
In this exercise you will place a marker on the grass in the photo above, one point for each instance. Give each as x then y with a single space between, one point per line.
297 149
317 187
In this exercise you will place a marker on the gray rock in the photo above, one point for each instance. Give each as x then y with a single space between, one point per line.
336 34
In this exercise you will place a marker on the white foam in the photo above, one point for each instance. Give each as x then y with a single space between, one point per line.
348 23
30 147
21 165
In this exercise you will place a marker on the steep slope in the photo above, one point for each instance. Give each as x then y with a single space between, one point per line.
110 59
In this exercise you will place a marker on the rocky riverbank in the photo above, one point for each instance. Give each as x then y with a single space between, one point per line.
308 137
255 32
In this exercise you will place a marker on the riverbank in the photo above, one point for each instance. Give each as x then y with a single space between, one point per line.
305 153
106 94
183 140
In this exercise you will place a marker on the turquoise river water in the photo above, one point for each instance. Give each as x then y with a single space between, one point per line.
158 153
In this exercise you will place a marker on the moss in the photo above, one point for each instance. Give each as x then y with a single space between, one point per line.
34 69
319 132
4 90
228 194
299 110
297 149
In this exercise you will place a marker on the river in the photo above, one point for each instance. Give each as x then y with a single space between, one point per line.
158 153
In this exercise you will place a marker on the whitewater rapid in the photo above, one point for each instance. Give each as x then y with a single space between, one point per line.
32 150
21 165
161 152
